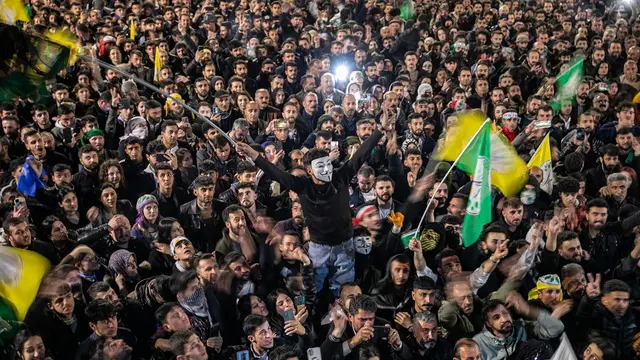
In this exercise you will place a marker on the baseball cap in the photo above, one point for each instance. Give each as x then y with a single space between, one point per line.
220 94
177 241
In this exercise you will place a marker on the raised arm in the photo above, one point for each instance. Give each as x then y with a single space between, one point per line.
365 149
285 179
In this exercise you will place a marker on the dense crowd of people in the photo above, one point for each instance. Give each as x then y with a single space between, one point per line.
284 231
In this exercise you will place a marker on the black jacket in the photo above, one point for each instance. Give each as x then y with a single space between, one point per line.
326 206
597 321
204 234
62 342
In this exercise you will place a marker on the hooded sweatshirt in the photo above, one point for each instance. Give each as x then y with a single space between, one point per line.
492 347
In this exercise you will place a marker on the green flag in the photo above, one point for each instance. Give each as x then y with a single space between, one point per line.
477 161
37 60
407 12
568 83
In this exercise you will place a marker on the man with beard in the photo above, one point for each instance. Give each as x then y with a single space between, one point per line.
426 344
11 128
351 114
384 188
294 262
238 279
596 178
346 337
624 141
547 295
294 223
201 92
589 146
529 74
607 314
426 299
95 138
86 181
502 335
569 250
201 218
512 219
615 194
236 236
247 198
457 314
267 112
414 136
207 268
365 191
625 115
602 239
308 83
308 117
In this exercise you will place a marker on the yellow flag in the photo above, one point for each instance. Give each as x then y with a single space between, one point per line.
509 172
12 11
542 159
157 65
132 30
68 40
636 99
22 272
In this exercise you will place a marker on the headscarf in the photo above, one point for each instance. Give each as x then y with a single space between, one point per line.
170 100
423 89
143 201
550 281
119 260
133 123
364 210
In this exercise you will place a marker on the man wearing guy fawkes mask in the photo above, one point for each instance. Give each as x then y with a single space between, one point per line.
373 247
325 202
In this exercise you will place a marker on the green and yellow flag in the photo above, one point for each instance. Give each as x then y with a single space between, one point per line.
21 272
38 60
508 171
12 11
476 160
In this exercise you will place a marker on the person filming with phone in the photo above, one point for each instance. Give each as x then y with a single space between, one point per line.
357 329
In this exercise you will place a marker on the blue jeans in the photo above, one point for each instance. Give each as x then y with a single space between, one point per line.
337 262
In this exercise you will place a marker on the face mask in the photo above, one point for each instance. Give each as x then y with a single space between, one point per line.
369 195
528 197
140 133
322 169
196 299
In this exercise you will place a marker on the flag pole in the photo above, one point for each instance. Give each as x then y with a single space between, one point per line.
447 174
154 88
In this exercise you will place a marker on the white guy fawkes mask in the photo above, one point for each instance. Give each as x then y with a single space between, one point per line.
322 169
